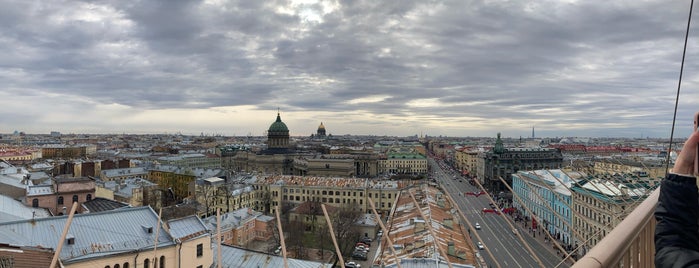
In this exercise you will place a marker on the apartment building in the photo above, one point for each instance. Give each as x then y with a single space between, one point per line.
546 194
466 160
403 163
338 192
603 201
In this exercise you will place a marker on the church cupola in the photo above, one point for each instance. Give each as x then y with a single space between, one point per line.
278 135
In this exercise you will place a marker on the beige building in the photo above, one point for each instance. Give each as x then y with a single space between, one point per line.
601 203
403 163
339 192
65 151
467 161
654 169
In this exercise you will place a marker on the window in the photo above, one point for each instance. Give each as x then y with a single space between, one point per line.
162 261
75 198
60 200
200 250
89 197
116 265
35 203
146 263
126 265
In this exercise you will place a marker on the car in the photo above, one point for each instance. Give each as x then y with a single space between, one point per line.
361 244
514 231
352 265
380 233
478 226
366 239
359 256
480 245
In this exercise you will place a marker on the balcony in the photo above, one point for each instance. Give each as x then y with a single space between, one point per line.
630 244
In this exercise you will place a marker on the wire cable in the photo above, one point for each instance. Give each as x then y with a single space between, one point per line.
679 84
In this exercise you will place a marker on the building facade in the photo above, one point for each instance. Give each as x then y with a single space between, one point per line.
502 162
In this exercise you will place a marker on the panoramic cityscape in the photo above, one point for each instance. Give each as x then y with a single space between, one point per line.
316 201
314 133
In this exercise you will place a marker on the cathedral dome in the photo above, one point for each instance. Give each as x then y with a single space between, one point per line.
278 125
321 126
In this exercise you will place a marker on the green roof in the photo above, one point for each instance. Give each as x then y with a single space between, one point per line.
278 126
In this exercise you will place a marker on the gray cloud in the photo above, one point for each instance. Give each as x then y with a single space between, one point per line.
459 68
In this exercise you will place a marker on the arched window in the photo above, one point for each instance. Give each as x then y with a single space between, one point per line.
126 265
35 203
89 197
162 261
116 265
60 200
106 266
75 198
146 263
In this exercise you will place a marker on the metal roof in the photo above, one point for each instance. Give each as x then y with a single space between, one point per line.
190 226
95 234
13 210
238 257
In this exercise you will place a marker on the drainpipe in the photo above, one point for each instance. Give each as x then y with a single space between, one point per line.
135 261
179 253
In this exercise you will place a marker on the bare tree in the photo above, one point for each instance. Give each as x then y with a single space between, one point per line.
296 231
346 231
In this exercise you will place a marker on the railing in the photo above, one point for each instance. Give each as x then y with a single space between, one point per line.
630 244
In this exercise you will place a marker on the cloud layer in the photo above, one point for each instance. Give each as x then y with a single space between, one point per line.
455 68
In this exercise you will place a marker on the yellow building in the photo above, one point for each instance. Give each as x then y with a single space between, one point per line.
338 192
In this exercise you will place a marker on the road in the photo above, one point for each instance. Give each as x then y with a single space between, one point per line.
496 234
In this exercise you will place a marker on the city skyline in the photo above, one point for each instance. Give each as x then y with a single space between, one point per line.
476 68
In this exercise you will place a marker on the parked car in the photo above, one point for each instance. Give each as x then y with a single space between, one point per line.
359 256
480 245
352 265
366 239
478 226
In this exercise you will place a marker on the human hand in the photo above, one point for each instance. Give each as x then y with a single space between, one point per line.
684 164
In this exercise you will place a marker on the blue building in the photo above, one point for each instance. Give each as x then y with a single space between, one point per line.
546 193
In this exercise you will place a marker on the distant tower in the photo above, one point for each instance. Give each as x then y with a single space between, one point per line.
321 130
533 132
278 135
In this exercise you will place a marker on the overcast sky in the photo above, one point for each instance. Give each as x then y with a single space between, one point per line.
455 68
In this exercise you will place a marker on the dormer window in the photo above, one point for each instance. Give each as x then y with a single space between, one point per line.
70 239
147 229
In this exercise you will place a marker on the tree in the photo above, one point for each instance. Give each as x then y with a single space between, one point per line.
346 230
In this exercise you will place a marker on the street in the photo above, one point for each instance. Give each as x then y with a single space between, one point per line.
496 234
